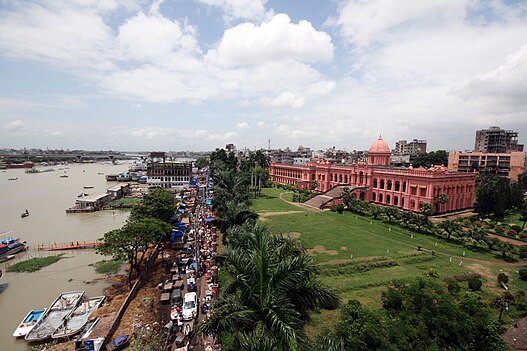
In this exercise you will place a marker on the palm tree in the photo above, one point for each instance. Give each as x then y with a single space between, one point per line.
272 293
450 227
234 213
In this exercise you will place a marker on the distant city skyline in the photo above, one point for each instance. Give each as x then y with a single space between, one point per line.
199 74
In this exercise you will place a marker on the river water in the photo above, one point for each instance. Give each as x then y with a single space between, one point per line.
46 196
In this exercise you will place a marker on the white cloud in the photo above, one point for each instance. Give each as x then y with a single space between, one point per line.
18 126
363 22
276 40
286 99
242 125
240 9
154 37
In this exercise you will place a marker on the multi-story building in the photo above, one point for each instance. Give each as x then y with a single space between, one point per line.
497 140
509 164
378 182
414 147
174 176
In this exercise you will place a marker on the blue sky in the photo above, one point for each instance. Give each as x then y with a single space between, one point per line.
198 74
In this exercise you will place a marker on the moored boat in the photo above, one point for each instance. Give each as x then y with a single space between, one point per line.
29 322
111 177
88 187
61 308
10 249
78 319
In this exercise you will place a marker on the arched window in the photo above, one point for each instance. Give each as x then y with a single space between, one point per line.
361 178
380 197
404 187
397 186
389 185
361 196
396 201
374 196
374 182
387 199
382 183
412 204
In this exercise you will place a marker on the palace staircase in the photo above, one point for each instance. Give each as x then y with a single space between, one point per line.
320 200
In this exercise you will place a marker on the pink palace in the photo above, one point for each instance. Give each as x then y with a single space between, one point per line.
378 182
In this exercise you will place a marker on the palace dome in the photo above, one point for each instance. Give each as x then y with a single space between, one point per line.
379 146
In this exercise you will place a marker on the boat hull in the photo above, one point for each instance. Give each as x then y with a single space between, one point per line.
79 318
61 308
29 322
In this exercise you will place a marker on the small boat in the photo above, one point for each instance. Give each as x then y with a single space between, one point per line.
7 250
100 173
12 178
6 258
78 319
29 322
24 214
111 177
88 187
61 308
64 176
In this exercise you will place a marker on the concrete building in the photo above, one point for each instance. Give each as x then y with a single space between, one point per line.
414 147
174 176
118 191
378 182
93 202
509 164
496 140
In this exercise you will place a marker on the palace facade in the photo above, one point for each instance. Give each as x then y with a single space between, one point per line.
378 182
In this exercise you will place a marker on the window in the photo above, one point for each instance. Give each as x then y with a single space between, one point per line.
397 186
389 185
374 196
396 201
375 182
387 199
380 197
382 183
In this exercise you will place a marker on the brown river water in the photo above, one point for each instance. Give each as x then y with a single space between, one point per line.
47 196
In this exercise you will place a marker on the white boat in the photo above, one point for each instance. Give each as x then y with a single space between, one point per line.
29 322
74 323
61 308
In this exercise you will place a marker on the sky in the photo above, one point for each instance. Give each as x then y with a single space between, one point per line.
199 74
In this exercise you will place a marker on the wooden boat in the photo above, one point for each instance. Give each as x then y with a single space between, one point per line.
6 258
24 214
88 187
29 322
64 176
78 319
12 178
61 308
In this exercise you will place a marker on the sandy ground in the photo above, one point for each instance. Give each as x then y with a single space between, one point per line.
516 335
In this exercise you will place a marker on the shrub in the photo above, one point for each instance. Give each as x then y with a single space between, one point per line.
516 227
431 272
453 288
333 208
340 208
474 284
523 274
500 230
477 223
523 235
502 277
512 232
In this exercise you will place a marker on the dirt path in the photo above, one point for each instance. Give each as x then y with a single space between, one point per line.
516 335
509 240
264 215
297 204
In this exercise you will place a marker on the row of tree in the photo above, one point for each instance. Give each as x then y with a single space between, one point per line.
495 195
419 315
471 235
148 223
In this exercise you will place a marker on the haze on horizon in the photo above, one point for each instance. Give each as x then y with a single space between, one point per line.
195 75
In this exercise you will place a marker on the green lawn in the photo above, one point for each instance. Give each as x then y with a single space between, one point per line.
270 201
340 239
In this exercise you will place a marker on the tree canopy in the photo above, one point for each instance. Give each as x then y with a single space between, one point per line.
427 159
158 203
131 242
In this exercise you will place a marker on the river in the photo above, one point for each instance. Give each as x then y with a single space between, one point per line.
46 196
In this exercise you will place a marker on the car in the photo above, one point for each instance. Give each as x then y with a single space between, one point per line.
190 306
176 301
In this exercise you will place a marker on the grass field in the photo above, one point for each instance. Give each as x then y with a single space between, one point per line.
335 239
